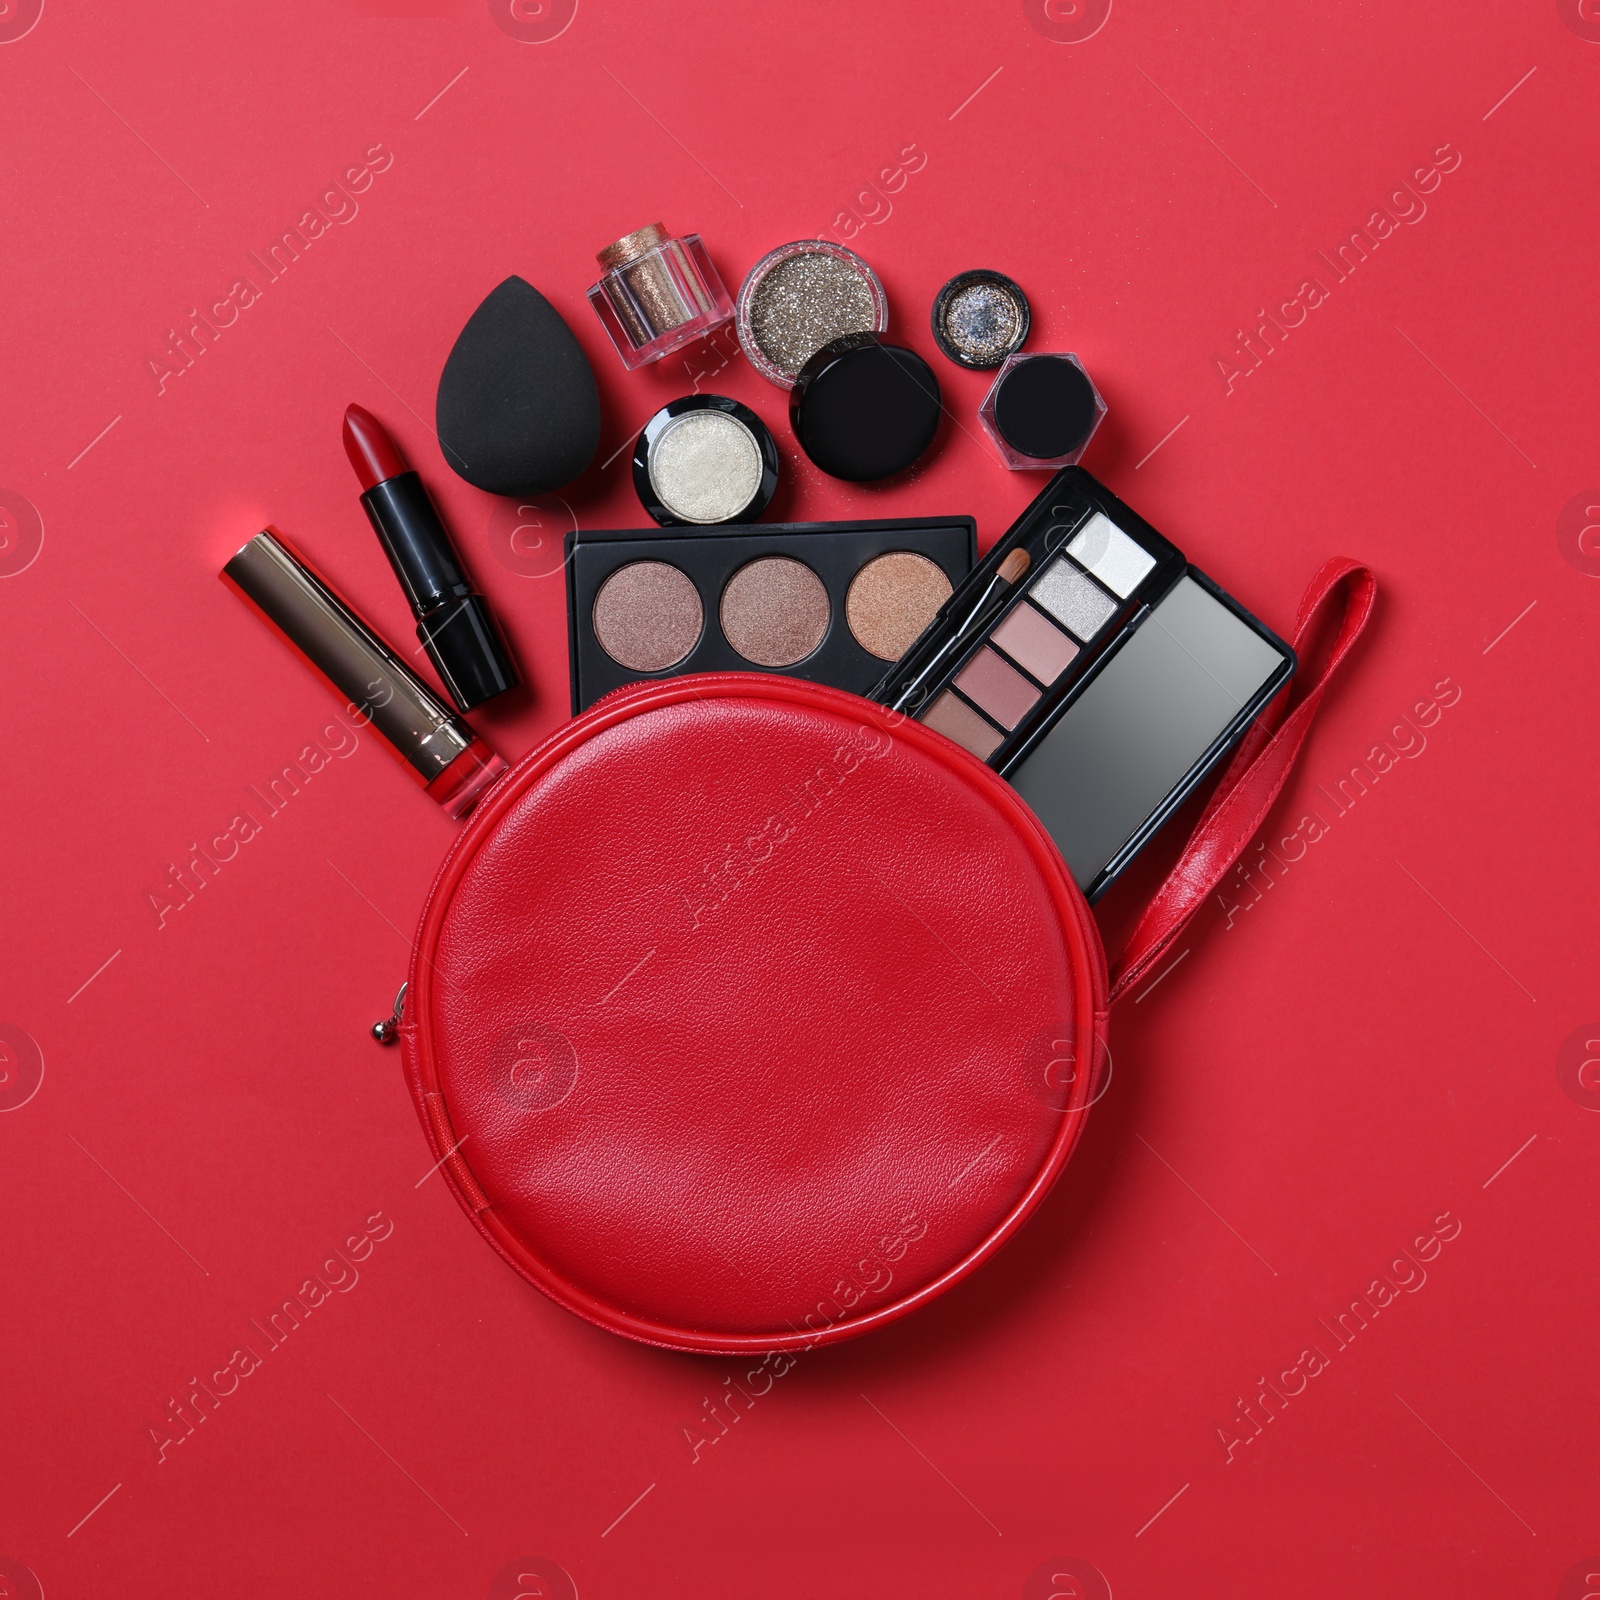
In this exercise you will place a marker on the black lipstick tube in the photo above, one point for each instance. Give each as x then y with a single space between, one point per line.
453 620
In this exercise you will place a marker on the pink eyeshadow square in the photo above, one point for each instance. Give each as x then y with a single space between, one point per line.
1035 643
997 688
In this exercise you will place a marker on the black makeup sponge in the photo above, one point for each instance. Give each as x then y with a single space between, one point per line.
518 412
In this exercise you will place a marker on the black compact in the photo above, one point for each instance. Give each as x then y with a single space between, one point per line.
835 602
863 409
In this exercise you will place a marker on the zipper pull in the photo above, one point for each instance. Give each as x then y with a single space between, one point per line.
387 1031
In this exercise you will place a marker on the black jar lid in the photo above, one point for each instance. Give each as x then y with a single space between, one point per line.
1045 406
691 469
863 409
980 317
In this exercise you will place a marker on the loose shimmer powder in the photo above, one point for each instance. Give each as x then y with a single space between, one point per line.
775 611
789 309
892 599
647 300
647 616
980 318
657 291
705 466
983 321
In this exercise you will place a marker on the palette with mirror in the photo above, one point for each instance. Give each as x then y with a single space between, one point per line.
1086 661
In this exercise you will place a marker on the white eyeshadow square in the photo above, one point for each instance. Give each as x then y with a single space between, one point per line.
1081 607
1102 547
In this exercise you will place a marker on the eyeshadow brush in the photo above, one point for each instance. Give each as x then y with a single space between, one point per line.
977 619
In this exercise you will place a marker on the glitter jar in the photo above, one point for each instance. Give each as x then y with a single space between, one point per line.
979 318
800 297
657 293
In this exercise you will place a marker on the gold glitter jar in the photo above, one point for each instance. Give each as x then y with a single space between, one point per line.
657 293
801 296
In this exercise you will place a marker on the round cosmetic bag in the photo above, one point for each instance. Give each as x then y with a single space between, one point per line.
748 1015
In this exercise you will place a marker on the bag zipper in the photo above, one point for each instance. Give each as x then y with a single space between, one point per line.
387 1031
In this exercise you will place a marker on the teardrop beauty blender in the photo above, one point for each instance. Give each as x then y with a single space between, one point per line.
517 411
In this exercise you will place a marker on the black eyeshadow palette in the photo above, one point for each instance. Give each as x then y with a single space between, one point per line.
1054 595
1086 661
835 602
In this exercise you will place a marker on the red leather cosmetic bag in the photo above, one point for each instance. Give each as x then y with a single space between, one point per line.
747 1015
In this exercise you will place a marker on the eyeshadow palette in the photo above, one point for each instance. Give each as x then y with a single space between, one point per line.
831 601
1087 662
1037 614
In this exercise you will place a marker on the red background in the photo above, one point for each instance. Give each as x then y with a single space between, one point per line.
1362 1050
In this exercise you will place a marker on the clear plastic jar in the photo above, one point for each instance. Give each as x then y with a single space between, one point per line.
657 293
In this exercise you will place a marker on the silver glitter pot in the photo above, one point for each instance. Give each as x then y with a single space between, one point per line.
705 459
980 318
801 296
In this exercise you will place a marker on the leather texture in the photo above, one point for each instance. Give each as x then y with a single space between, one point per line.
749 1015
746 1014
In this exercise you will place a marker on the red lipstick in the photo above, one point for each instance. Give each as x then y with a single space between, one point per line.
374 455
453 620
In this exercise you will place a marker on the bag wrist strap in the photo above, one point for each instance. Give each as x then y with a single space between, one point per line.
1253 778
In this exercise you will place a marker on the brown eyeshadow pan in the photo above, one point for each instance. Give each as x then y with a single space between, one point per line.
775 611
648 616
996 687
955 719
